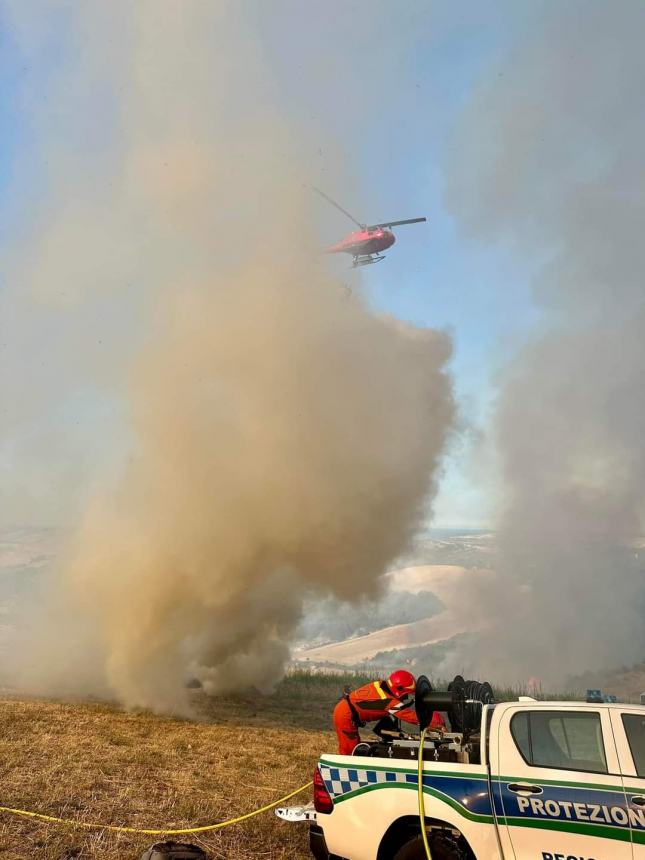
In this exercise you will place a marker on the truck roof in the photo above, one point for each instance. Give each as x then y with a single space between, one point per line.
526 701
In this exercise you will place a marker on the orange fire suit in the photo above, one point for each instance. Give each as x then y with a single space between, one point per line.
369 703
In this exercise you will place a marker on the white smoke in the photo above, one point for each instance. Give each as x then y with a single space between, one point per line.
549 159
282 436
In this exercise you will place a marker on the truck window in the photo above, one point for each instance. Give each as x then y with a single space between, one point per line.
635 731
560 739
520 732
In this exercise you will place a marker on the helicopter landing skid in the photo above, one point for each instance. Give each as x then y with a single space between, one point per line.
367 260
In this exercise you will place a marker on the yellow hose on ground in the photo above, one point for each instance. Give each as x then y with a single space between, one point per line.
422 807
69 822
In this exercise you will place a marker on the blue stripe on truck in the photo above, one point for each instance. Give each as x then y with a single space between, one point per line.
598 810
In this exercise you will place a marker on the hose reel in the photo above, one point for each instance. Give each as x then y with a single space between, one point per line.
462 701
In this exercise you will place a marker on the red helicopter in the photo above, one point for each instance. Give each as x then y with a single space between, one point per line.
367 244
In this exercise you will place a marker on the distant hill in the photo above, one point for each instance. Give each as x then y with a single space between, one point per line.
416 621
419 619
28 549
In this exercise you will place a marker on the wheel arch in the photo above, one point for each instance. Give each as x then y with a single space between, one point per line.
407 827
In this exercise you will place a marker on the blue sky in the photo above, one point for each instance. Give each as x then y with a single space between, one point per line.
436 274
384 91
428 60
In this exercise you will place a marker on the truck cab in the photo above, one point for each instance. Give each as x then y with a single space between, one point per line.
569 778
530 781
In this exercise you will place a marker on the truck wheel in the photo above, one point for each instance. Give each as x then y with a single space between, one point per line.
441 848
412 850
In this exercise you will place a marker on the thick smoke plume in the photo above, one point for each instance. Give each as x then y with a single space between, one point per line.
550 159
283 436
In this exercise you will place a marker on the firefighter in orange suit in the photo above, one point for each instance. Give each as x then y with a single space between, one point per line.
393 697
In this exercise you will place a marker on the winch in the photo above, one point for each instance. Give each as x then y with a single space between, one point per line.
462 702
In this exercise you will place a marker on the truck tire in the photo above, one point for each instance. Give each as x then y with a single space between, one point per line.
412 850
441 848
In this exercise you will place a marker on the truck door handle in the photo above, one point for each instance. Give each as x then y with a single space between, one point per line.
520 788
639 800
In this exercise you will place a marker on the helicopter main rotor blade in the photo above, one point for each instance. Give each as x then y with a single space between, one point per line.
397 223
333 203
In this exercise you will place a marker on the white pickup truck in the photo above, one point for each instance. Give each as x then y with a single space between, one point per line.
529 781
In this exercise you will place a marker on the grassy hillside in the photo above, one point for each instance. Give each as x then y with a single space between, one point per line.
94 762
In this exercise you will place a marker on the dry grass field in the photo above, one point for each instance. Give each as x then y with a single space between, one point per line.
95 762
